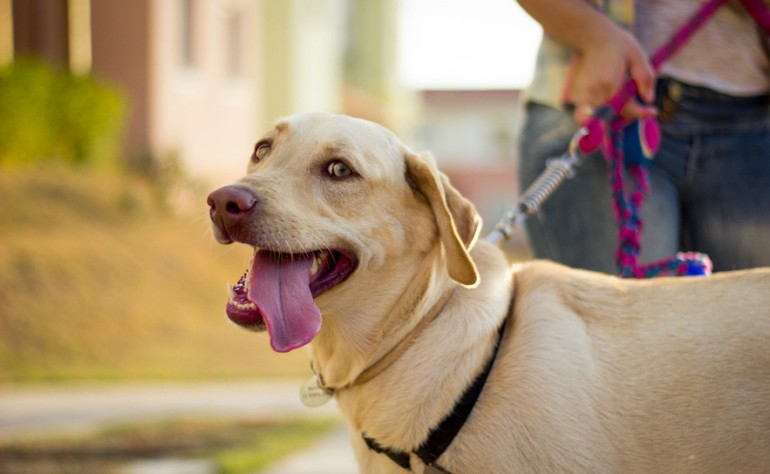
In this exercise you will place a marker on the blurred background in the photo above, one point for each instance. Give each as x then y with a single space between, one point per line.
118 116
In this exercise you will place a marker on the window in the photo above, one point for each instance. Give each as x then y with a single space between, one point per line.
187 29
234 44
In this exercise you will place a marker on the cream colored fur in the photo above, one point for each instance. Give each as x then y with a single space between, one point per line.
595 375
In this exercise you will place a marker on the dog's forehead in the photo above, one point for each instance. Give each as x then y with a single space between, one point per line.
347 136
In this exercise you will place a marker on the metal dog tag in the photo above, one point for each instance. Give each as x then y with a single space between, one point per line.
312 395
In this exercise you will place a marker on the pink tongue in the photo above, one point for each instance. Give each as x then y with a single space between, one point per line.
280 287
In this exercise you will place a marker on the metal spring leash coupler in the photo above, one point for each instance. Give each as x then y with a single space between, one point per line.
556 171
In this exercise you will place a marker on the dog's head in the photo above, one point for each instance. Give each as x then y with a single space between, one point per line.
336 208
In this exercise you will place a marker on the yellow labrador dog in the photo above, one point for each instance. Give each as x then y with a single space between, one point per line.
443 358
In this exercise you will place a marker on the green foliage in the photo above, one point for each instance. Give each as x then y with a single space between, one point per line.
46 115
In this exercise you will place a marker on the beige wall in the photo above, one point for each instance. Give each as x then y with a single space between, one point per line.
302 68
203 113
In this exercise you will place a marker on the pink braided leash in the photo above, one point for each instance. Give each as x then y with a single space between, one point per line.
630 148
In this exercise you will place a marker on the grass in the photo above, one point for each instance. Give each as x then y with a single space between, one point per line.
233 447
97 283
270 445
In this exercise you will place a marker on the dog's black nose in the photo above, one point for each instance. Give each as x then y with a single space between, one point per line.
228 205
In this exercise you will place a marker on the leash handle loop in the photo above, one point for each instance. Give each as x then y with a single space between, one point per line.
610 111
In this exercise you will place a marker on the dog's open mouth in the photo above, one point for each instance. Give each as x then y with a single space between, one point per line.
276 293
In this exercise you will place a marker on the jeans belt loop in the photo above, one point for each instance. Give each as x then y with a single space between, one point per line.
673 94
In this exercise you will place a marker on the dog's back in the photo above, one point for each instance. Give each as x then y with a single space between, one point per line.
667 375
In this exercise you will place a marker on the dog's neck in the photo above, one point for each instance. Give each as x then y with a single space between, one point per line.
425 381
375 347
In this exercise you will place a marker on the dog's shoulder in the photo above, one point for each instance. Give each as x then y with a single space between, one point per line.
544 276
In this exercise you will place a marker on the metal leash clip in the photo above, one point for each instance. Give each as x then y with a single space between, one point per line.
556 171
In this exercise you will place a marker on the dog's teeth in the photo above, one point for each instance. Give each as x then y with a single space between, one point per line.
318 259
251 306
230 291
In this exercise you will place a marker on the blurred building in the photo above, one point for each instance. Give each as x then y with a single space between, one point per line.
470 126
205 78
474 136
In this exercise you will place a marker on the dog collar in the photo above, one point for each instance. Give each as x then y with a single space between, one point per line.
315 392
378 367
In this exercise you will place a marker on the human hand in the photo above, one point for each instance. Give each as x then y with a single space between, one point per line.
600 67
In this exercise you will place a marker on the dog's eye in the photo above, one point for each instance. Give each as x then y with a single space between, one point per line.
338 169
260 152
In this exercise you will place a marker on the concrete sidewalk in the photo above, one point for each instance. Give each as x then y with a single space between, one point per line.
331 455
80 408
30 411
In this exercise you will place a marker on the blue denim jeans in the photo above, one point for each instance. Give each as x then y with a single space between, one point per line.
710 184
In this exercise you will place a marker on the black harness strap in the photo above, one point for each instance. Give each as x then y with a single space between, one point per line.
442 435
399 457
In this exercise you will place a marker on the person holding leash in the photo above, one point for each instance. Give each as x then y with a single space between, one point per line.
710 179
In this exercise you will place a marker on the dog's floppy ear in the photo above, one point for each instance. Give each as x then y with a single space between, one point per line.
457 220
